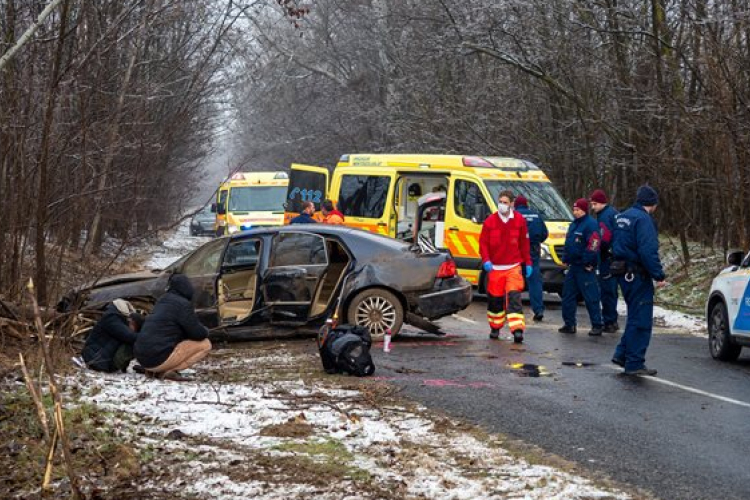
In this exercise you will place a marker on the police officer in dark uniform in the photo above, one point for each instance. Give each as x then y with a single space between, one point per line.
636 262
582 245
605 217
538 233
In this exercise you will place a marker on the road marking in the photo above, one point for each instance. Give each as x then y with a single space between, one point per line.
693 390
461 318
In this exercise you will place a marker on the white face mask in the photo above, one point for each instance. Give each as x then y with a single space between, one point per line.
503 208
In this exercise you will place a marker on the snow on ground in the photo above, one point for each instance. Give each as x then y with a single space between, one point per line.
380 448
174 247
673 320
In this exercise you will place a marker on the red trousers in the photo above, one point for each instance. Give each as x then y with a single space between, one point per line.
504 290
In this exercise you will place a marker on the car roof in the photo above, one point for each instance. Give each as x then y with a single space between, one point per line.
344 232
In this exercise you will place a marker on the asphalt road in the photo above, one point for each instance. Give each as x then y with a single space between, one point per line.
682 435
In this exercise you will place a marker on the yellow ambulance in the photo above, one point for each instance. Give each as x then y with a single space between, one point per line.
250 199
443 197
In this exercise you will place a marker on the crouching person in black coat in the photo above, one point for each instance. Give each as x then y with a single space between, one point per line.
109 346
172 338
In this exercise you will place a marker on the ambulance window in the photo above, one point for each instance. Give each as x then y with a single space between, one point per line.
466 196
364 195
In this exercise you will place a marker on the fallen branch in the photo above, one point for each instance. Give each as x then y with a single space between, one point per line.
41 413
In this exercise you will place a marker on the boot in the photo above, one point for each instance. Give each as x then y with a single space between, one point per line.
567 329
518 336
611 328
495 333
538 317
641 371
595 331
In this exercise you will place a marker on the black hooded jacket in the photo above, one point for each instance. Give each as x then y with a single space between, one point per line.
109 333
172 321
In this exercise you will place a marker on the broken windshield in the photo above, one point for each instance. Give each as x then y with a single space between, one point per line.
542 196
257 199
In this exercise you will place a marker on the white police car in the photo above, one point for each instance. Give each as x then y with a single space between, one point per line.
728 309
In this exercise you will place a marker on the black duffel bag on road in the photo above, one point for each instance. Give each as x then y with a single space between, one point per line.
346 349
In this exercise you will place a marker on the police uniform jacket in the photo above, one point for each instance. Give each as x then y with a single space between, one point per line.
538 232
582 243
636 241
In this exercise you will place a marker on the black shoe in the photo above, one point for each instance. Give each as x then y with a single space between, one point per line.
567 329
641 371
611 328
595 332
518 336
538 317
139 369
619 362
494 334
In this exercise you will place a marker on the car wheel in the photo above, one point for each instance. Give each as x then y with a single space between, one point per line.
378 310
719 342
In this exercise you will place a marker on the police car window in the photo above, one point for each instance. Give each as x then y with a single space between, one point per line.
542 196
205 260
364 195
466 196
242 252
298 249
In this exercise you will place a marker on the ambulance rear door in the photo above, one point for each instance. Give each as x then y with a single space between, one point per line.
466 208
366 199
306 183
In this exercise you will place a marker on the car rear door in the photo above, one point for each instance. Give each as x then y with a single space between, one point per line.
297 262
306 183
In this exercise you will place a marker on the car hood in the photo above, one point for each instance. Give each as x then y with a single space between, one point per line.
125 278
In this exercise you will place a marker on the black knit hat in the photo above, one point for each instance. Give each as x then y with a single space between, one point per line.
647 196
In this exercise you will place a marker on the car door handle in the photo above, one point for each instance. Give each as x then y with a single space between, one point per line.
382 223
454 228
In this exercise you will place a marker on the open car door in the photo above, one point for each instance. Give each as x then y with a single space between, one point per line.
297 264
306 183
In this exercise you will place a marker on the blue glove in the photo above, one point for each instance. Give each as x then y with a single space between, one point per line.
529 270
487 266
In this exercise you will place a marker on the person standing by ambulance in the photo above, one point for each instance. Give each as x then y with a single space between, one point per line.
637 264
538 233
605 217
582 257
504 249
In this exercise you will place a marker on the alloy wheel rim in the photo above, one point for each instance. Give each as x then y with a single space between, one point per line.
377 314
717 331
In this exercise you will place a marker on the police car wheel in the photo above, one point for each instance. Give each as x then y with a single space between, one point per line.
377 309
719 342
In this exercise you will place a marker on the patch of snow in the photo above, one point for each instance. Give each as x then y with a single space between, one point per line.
666 318
394 445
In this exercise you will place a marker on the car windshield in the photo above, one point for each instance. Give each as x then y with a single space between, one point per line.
542 196
257 199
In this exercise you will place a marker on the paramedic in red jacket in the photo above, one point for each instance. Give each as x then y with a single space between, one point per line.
504 248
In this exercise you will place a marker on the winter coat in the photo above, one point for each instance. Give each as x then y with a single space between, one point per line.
636 241
109 333
505 243
582 243
172 321
606 221
303 218
538 232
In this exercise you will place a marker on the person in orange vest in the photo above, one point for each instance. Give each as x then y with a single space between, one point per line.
330 214
506 258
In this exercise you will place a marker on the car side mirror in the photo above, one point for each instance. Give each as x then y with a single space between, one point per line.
213 208
221 209
735 258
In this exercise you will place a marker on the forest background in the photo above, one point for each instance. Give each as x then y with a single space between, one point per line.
110 110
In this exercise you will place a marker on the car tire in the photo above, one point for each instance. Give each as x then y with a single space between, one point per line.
377 309
719 340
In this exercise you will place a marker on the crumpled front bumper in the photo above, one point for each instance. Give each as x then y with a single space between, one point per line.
451 296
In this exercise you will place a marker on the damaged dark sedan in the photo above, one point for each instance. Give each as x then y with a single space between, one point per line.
266 281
